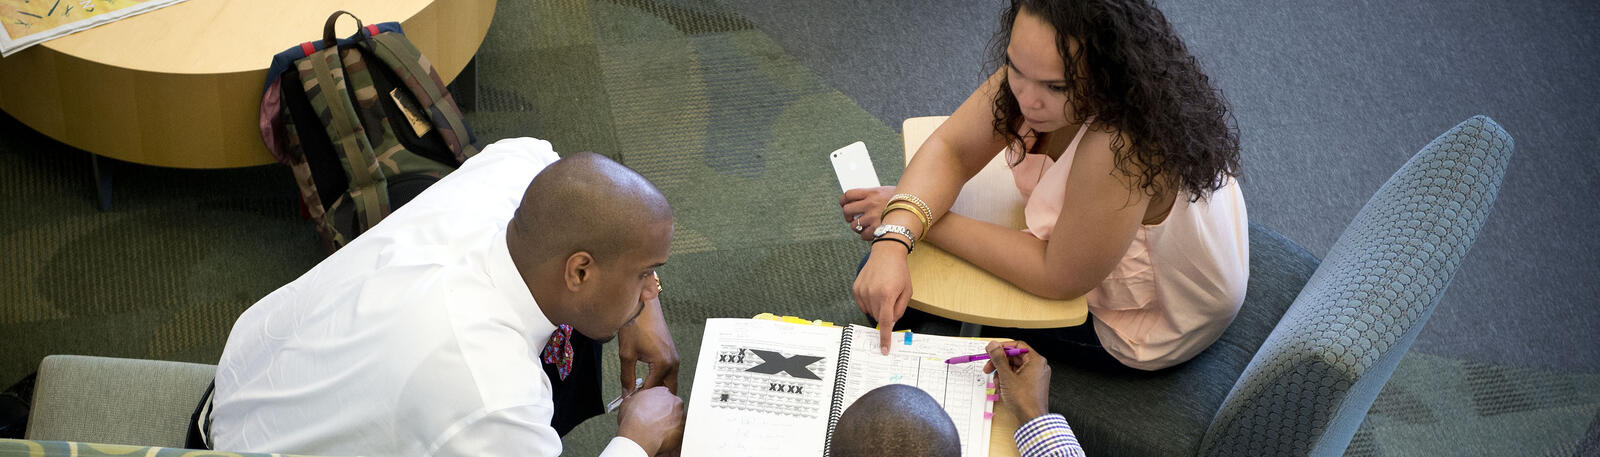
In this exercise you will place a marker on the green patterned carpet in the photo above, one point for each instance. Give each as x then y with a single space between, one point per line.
730 126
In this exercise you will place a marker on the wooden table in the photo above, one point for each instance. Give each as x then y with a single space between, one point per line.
181 86
945 285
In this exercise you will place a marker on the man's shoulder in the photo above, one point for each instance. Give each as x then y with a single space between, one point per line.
397 255
484 191
511 156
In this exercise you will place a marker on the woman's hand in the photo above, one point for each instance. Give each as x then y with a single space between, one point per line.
862 208
1024 380
883 288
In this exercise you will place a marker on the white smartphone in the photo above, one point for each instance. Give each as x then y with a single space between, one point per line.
853 167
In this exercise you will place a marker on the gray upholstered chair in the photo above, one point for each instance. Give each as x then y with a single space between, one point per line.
116 401
1315 341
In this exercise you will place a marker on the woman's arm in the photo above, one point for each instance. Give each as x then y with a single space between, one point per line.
1099 218
952 155
955 152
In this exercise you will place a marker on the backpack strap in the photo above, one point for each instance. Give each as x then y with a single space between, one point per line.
401 56
324 80
310 199
391 156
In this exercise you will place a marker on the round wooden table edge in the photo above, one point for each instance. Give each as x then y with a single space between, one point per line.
138 138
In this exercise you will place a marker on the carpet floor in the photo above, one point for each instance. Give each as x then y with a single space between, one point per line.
730 107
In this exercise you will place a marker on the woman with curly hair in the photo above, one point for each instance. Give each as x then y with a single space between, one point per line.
1127 161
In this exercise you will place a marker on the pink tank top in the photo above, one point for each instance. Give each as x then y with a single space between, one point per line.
1179 285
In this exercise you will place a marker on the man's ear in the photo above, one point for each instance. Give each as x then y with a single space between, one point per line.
578 270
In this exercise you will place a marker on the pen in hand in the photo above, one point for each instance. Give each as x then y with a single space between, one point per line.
637 383
977 357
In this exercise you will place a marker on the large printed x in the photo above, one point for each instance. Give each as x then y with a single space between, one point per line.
773 362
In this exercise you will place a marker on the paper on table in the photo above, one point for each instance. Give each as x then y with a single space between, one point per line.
770 391
959 388
26 23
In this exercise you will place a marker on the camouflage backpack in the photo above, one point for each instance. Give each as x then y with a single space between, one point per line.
365 124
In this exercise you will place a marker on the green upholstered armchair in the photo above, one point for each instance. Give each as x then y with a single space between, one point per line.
116 401
31 448
1315 340
139 407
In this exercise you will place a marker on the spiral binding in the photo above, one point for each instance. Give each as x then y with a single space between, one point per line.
838 389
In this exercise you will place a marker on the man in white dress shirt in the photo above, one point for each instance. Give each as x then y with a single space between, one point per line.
440 330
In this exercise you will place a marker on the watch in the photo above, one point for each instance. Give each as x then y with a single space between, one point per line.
884 229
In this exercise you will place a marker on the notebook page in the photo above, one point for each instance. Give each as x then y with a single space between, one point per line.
761 388
961 389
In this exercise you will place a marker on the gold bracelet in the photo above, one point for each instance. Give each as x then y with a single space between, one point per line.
926 213
913 210
905 206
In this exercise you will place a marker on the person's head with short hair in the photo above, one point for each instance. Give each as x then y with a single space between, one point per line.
587 239
895 420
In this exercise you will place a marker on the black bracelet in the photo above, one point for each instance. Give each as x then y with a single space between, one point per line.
897 240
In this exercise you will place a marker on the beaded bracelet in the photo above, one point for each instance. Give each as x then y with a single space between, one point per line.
926 213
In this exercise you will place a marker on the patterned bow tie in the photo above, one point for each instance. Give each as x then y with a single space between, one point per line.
559 350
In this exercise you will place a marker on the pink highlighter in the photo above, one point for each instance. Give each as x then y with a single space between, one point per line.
977 357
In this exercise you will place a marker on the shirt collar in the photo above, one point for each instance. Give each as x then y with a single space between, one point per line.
503 274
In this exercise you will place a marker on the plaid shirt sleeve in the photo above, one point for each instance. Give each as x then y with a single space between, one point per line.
1047 436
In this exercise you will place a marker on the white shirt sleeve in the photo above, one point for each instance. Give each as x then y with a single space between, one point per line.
517 432
621 447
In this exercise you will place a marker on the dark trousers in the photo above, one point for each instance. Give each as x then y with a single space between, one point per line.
1075 346
576 398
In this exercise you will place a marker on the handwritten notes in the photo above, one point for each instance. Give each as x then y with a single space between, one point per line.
959 388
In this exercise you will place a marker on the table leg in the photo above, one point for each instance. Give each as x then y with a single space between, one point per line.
102 181
970 330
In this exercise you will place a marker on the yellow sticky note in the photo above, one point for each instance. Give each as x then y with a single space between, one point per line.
791 319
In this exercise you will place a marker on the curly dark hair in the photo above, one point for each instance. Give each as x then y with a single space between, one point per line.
1141 81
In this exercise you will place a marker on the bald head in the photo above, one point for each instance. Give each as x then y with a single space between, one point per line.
587 202
895 420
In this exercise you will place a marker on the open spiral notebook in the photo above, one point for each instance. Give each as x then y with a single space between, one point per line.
774 388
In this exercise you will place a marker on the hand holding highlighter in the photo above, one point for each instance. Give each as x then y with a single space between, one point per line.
978 357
